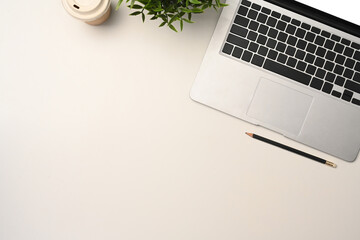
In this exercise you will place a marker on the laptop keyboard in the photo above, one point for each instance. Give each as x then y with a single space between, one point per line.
296 50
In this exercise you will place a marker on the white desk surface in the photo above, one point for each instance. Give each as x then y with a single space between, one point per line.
100 140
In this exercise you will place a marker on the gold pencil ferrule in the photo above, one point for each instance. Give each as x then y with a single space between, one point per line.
331 164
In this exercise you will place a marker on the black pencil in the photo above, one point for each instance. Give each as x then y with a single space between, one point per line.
293 150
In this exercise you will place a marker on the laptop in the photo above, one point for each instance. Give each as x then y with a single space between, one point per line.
289 66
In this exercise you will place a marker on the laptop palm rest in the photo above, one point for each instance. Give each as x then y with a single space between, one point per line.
279 107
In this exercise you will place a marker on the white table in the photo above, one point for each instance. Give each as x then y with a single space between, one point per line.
100 140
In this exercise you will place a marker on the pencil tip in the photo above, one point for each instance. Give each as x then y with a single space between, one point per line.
331 164
249 134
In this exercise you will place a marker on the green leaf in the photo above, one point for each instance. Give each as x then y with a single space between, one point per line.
175 17
181 24
188 21
143 16
194 1
118 4
197 10
136 6
172 27
135 13
162 24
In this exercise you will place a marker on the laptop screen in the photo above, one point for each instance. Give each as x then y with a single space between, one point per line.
346 10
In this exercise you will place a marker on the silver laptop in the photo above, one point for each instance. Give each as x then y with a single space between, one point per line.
289 67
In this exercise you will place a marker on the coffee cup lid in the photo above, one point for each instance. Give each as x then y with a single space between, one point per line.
86 10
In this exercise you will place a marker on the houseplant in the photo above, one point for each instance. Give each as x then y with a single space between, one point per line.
170 11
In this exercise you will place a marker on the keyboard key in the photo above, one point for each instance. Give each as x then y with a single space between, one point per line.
290 29
330 55
273 33
357 55
296 22
353 86
327 88
335 38
246 56
291 62
336 94
281 47
320 52
347 95
315 30
238 41
272 54
282 58
339 81
252 14
305 26
345 42
356 46
243 10
263 29
348 73
266 10
252 35
271 22
330 77
319 40
316 83
263 51
311 48
357 66
240 31
356 77
291 40
285 18
348 52
290 51
275 14
329 44
246 3
254 25
310 37
262 18
287 72
349 63
310 58
340 59
258 60
253 47
356 101
325 34
319 62
301 44
300 54
329 66
261 39
237 52
282 37
301 66
320 73
227 48
281 25
256 6
339 48
271 43
300 33
240 20
311 69
338 69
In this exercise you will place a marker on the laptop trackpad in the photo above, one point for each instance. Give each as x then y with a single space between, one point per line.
279 107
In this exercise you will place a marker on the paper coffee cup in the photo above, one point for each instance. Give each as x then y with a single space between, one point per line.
93 12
